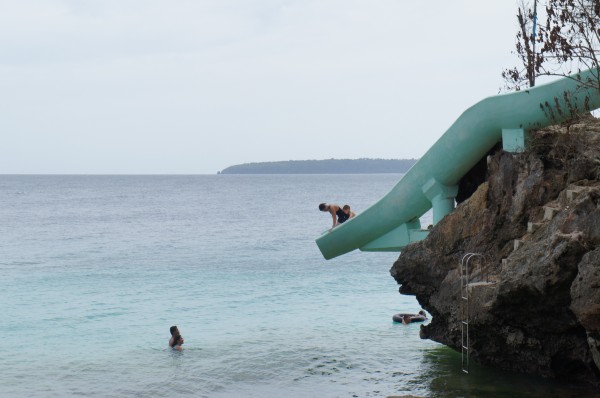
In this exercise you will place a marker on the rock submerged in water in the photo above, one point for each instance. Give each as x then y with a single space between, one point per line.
535 300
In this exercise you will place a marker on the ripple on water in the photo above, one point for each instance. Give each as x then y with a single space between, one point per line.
96 269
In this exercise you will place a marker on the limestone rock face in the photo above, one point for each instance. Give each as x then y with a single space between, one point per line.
534 298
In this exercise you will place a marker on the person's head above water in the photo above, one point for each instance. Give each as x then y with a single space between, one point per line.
176 339
174 331
323 207
422 313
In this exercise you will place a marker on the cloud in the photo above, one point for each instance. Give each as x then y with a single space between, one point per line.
205 84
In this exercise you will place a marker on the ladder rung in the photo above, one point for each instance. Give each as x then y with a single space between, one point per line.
466 348
465 323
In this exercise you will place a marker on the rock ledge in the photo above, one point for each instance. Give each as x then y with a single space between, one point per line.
535 298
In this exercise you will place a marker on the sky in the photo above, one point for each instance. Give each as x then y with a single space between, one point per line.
194 86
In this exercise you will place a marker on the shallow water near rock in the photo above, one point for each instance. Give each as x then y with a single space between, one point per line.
95 269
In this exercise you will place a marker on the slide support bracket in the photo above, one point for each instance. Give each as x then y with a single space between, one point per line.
441 197
514 140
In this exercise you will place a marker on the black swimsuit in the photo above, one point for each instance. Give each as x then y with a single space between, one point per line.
341 216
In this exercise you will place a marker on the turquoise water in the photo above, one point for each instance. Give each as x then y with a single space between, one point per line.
95 269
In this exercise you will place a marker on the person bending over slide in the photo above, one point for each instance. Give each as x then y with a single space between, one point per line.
338 214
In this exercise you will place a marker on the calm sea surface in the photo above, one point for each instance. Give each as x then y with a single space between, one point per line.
95 269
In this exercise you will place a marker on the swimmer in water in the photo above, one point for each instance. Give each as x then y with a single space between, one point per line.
176 340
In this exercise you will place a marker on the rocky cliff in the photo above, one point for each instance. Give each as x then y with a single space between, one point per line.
534 295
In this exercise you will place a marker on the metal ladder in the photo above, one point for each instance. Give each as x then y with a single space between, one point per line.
464 298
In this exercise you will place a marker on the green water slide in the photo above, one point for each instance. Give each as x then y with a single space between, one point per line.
393 222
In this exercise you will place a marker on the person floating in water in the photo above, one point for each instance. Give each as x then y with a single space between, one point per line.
338 214
421 316
176 340
409 318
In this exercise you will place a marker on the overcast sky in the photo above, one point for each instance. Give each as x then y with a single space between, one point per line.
194 86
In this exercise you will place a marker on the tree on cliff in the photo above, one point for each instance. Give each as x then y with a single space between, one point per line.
525 46
568 42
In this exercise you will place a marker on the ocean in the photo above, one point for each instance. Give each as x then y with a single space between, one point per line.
95 269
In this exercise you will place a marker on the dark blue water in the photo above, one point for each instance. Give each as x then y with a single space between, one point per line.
95 269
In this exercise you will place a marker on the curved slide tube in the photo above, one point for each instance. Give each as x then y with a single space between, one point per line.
393 222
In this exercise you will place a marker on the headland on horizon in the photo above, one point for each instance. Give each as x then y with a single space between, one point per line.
326 166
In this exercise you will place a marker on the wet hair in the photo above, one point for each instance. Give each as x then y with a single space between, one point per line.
323 206
422 313
346 207
173 329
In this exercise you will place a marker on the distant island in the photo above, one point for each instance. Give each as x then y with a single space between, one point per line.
326 166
